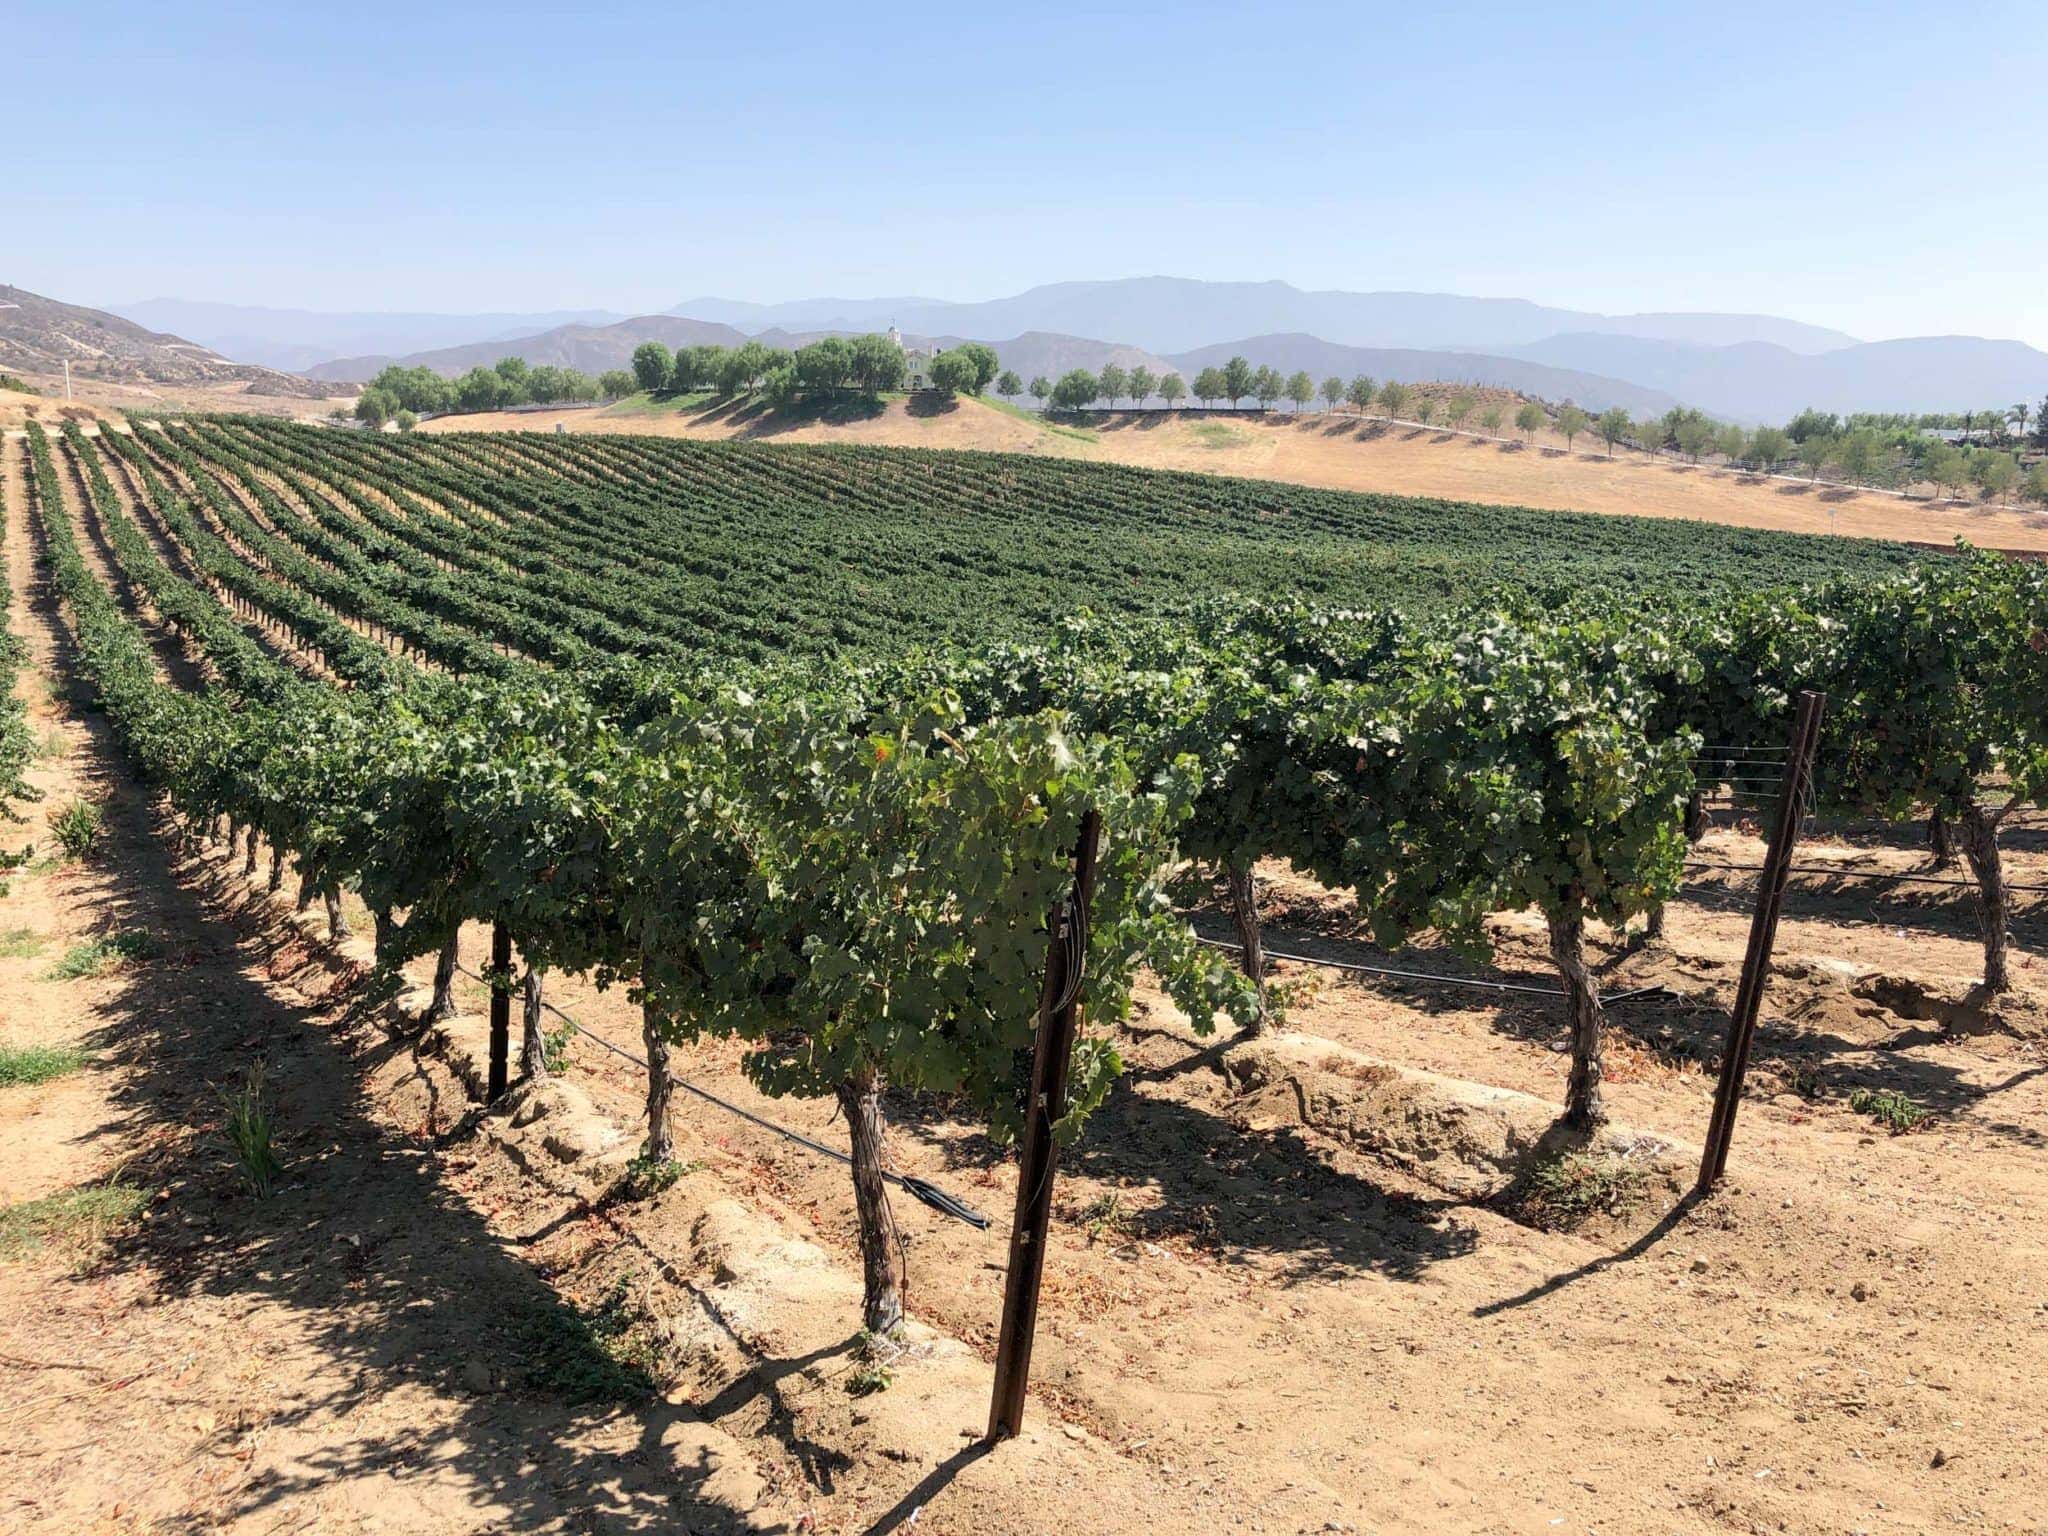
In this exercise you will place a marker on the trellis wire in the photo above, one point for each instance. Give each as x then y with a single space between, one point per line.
925 1193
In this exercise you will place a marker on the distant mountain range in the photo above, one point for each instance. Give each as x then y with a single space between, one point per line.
1321 358
1177 314
1743 367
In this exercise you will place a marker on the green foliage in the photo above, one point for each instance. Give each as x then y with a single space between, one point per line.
78 826
249 1128
1077 389
71 1223
374 407
20 943
1530 419
1173 389
1571 421
1889 1108
1112 382
653 366
29 1064
1008 385
1238 378
93 957
609 1353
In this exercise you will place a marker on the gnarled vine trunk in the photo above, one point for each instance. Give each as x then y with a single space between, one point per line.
1585 1107
276 869
337 920
1994 902
249 861
661 1143
881 1248
307 891
443 1004
1939 840
381 928
1244 912
533 1045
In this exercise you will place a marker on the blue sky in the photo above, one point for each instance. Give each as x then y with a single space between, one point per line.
1880 168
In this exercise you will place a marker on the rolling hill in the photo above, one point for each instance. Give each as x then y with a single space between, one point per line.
39 336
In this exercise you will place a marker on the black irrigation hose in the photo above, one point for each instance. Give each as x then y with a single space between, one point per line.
918 1189
1449 981
1858 874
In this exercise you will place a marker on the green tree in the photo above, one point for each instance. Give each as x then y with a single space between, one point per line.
1267 386
1360 392
1112 381
1008 385
1810 423
1858 454
2037 483
1650 435
1300 389
1172 389
1491 419
374 407
1425 409
1333 393
1237 379
1814 452
1997 473
1769 447
1394 397
984 365
653 366
1210 385
616 383
482 389
1530 419
1142 384
952 374
1571 421
878 365
1732 443
826 365
1695 435
1041 388
404 420
1460 409
1943 467
1076 390
1613 425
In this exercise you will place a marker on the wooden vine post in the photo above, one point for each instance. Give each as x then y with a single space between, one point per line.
1763 934
1058 1017
501 1010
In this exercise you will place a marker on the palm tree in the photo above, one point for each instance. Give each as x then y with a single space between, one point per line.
2018 417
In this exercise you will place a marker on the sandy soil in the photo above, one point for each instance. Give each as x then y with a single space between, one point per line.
1297 1284
92 398
1339 452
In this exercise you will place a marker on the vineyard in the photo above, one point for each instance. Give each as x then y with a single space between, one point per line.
795 747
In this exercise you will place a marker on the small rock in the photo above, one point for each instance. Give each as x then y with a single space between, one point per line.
1940 1459
476 1376
1860 1291
1699 1266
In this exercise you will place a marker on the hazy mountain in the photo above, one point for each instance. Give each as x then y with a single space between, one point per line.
39 335
591 348
1321 358
822 315
1759 382
298 338
1173 314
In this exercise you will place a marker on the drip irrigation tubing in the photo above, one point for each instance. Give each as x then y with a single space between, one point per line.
921 1191
1449 981
1860 874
